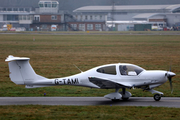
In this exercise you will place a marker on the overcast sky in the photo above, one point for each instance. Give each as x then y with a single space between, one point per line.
74 4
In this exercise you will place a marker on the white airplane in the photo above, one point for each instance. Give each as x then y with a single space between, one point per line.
111 76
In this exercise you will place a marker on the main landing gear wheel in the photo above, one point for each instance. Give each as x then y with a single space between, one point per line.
157 97
115 100
125 99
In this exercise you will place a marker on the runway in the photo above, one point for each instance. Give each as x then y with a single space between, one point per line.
84 101
96 33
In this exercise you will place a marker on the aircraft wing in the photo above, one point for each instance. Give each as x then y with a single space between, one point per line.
105 83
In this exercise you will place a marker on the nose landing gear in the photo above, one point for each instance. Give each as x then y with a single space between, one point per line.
157 97
158 94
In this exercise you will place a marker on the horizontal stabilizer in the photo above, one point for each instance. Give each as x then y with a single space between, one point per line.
12 58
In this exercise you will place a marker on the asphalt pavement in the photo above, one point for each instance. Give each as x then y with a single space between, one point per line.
85 101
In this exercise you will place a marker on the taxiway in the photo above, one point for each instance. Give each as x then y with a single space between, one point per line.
79 101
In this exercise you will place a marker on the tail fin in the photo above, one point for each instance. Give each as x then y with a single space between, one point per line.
21 71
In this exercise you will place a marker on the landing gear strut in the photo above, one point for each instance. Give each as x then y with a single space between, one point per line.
125 94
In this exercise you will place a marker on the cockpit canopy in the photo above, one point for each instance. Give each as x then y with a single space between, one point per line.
130 69
123 69
108 70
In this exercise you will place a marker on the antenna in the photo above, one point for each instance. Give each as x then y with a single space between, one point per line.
78 68
112 13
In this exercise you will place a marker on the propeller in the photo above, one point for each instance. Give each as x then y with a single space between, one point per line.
170 81
169 75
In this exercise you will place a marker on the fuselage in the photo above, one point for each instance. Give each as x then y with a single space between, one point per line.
135 77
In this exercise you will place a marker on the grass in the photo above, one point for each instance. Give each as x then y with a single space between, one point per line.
53 56
96 32
87 112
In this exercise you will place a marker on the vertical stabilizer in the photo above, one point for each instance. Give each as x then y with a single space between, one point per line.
20 70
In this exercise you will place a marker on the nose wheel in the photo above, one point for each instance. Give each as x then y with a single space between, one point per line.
157 97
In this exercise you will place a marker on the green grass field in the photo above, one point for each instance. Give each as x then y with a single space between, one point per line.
53 56
38 112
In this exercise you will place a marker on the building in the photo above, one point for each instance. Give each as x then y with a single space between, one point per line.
127 16
48 14
45 15
88 18
18 16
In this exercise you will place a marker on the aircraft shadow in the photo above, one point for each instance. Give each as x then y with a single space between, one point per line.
120 102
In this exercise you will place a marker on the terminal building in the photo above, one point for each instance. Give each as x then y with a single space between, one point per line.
88 18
